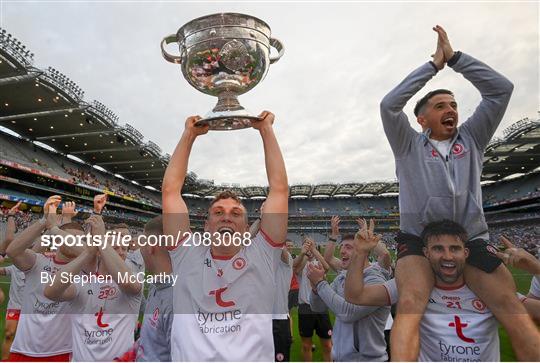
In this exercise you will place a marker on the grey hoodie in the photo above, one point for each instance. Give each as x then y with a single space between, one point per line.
358 334
434 186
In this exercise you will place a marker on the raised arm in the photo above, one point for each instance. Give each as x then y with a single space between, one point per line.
518 258
356 291
323 292
319 257
10 228
61 290
19 249
396 124
68 212
112 261
495 89
276 207
300 260
330 247
175 211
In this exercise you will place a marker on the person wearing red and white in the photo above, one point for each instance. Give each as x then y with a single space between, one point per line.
457 325
103 313
16 284
224 296
39 315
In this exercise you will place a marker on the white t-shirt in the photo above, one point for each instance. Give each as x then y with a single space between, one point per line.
304 292
103 321
443 147
535 286
283 282
44 326
457 326
224 314
16 287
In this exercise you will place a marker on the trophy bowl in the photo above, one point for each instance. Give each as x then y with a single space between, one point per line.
224 55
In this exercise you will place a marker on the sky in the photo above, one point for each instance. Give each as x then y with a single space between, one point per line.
340 59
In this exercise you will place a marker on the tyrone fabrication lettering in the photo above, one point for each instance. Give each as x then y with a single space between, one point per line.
219 323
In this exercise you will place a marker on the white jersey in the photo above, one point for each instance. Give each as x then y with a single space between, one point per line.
135 261
16 287
535 287
44 325
283 282
103 321
389 322
304 292
457 327
224 313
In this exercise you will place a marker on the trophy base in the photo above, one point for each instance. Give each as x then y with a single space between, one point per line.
229 120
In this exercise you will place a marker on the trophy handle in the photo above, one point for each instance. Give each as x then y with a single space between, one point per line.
169 57
276 43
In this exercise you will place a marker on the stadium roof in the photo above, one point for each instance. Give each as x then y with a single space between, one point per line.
46 106
518 152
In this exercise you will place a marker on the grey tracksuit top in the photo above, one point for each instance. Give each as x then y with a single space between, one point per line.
358 334
434 186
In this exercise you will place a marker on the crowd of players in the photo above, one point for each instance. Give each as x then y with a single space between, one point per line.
216 300
98 322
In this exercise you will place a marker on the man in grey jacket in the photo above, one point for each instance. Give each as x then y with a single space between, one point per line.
439 174
358 334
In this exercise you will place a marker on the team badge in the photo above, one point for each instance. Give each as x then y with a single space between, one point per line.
155 316
491 249
239 263
479 305
457 149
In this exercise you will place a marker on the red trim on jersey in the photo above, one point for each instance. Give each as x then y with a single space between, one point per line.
58 262
269 240
13 314
449 288
523 299
218 257
18 357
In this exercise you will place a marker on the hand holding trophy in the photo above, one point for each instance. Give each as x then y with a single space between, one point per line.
224 55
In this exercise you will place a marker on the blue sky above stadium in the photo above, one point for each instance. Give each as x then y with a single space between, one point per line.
340 60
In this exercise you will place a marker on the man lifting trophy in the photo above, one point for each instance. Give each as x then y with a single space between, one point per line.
224 55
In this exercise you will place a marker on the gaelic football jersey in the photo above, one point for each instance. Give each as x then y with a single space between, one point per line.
283 281
16 287
456 327
305 286
535 287
44 328
103 321
224 313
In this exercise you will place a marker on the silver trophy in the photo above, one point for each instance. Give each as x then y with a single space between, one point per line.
224 55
